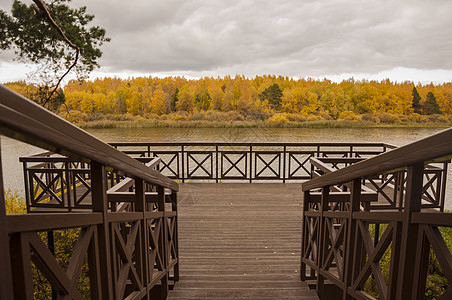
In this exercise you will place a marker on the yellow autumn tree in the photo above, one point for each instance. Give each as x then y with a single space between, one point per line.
299 100
185 100
158 101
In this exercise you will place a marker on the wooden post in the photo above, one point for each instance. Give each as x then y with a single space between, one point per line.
183 166
163 241
176 234
284 163
304 235
6 291
251 164
351 236
142 243
22 284
395 260
100 204
320 288
421 265
216 164
409 232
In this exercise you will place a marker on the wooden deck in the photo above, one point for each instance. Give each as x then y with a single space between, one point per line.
240 241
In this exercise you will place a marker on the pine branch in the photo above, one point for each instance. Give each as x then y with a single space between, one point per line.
42 9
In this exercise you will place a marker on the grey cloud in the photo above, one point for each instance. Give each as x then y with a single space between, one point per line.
287 37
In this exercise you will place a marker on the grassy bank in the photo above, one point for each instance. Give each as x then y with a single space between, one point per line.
252 124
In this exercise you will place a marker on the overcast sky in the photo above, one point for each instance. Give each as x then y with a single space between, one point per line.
337 39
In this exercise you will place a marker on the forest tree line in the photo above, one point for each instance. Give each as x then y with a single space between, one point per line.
273 98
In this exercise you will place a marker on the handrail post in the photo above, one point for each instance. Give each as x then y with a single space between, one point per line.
176 234
409 233
163 241
6 283
183 166
442 198
67 172
251 163
284 163
351 239
320 287
304 234
216 164
26 183
100 204
142 264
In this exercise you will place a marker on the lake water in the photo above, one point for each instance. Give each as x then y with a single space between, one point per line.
12 150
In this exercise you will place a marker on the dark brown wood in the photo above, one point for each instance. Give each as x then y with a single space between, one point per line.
435 146
228 144
99 194
421 265
119 239
410 231
304 235
35 222
143 257
395 260
22 275
322 241
163 241
351 236
438 219
250 161
345 196
175 237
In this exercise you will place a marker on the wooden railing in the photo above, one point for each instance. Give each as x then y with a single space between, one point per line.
246 162
389 188
127 247
57 184
339 246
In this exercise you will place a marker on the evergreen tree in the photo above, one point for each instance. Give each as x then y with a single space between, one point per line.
416 105
431 107
273 95
174 101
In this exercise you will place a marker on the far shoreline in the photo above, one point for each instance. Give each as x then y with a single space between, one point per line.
99 124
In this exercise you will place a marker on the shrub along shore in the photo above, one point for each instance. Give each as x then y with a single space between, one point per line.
250 124
236 120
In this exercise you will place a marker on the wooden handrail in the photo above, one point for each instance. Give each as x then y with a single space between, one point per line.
24 120
257 144
437 146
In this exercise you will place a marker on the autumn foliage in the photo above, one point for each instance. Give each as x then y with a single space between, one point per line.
269 98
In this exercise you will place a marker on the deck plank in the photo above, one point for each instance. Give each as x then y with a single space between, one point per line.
240 241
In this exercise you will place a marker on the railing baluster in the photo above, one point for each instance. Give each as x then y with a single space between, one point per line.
410 231
22 276
142 243
304 234
99 198
251 163
351 237
442 199
284 163
322 246
216 163
183 165
421 265
176 234
163 242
